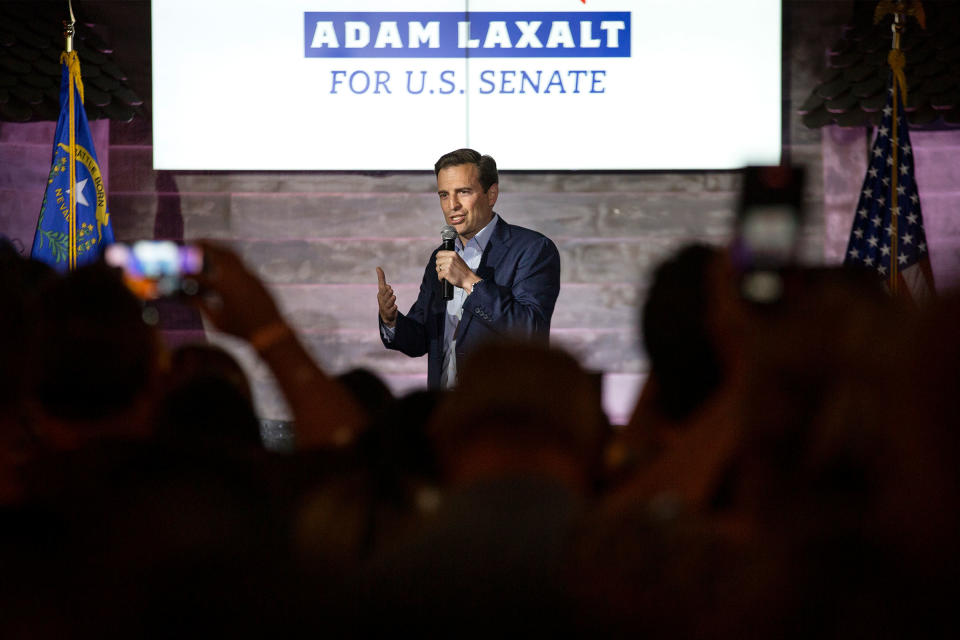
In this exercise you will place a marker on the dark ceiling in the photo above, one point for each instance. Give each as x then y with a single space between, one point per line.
113 43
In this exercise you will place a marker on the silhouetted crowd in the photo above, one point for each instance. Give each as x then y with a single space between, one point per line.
790 470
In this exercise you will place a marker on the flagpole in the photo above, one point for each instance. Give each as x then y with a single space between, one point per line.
896 60
68 33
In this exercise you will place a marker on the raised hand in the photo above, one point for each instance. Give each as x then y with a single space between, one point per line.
235 300
386 299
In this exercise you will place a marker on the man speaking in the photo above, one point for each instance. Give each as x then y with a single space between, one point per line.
505 278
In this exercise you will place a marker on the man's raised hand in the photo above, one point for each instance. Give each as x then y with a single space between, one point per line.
386 299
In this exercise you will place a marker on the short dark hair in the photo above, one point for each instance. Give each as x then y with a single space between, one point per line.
486 165
90 338
683 356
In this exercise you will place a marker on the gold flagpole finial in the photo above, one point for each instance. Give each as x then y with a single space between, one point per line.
900 10
69 28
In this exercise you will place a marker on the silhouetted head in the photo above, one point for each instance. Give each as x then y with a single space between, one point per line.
519 404
94 362
20 280
207 399
367 389
684 358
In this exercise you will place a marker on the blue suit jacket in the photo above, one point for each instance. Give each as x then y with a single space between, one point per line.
521 281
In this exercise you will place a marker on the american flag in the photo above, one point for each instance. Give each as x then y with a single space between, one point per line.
875 239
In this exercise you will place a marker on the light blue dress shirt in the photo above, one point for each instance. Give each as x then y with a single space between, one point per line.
471 254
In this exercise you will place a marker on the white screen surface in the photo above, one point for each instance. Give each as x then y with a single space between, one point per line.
549 85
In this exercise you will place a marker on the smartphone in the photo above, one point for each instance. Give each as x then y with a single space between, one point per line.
767 231
157 268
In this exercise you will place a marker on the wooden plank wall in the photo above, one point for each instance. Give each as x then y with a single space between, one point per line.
25 154
937 171
317 238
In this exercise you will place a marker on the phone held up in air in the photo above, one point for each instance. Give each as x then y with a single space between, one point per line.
767 232
157 268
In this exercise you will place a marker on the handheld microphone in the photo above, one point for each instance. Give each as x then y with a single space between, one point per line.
447 234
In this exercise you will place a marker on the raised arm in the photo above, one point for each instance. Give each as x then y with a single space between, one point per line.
238 303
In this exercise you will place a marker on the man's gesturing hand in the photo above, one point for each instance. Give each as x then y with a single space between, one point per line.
453 269
386 299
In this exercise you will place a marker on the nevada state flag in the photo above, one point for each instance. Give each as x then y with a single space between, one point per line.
74 224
